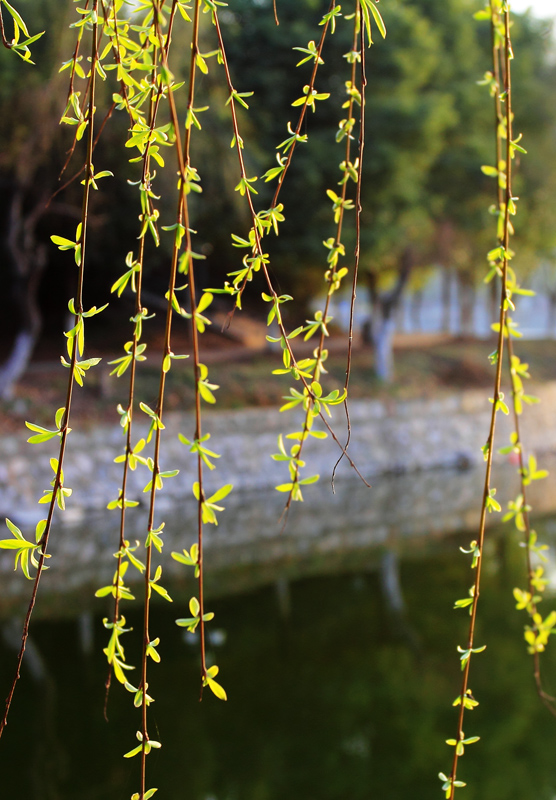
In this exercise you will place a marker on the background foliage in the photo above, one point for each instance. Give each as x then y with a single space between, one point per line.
429 132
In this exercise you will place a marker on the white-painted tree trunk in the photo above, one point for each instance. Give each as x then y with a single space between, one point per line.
17 363
383 317
383 336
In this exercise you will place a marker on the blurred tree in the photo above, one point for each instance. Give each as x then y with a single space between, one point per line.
28 129
433 201
428 131
411 108
461 193
42 192
536 111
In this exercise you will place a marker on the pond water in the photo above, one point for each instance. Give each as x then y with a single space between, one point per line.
340 672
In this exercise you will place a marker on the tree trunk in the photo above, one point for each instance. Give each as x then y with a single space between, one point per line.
383 317
446 299
416 309
383 335
16 364
28 263
466 296
551 327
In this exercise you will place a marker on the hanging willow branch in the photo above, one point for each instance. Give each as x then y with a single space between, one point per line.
334 272
77 369
498 258
519 509
314 403
134 353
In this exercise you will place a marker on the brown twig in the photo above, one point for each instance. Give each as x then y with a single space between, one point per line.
357 252
145 178
64 428
497 381
257 247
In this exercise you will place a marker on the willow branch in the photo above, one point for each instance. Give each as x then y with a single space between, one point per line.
490 440
64 428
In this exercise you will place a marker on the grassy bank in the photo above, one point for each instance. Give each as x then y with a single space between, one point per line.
424 367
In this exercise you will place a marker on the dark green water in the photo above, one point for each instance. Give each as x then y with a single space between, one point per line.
332 696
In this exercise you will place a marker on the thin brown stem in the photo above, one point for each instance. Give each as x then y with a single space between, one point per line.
76 54
357 252
545 698
499 123
301 118
157 10
358 29
64 429
257 248
128 452
497 381
184 160
145 180
195 343
5 41
80 172
304 106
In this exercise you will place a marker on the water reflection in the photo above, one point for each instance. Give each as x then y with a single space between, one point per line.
340 686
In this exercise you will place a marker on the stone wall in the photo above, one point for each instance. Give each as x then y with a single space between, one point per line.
387 436
423 458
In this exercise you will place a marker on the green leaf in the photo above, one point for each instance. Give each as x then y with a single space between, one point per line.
40 529
15 530
221 493
190 623
134 752
492 172
18 19
14 544
306 481
42 435
217 689
204 302
161 591
63 244
377 17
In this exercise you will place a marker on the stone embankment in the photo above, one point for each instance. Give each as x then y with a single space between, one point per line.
387 437
423 458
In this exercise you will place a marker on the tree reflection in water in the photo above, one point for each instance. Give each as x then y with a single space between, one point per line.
337 689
